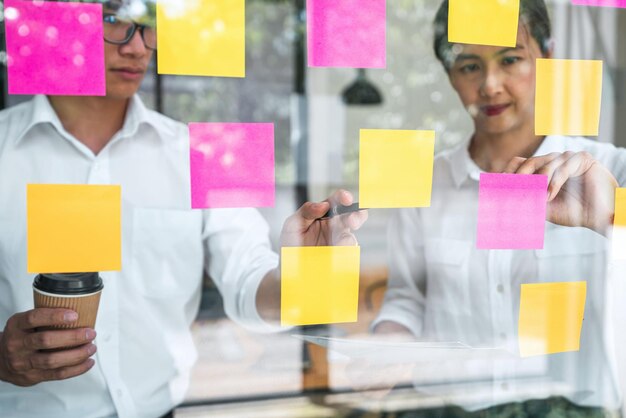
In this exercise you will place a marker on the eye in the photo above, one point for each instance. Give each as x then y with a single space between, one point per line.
112 19
468 68
510 60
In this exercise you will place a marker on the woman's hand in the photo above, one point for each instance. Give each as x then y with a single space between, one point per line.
581 192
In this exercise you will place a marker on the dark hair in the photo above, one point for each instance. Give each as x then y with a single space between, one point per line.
533 13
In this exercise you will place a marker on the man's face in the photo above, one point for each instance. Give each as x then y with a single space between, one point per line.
125 66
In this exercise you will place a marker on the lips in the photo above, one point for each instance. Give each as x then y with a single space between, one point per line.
494 110
133 74
130 70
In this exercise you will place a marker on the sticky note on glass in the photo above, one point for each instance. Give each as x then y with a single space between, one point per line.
619 225
346 33
395 168
54 48
568 97
483 22
201 37
511 211
551 317
319 285
73 228
601 3
232 165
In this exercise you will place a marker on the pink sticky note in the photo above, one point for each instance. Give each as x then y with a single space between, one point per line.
54 48
601 3
232 165
511 211
346 33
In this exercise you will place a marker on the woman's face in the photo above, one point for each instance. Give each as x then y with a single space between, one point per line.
497 85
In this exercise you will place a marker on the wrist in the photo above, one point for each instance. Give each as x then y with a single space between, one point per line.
3 373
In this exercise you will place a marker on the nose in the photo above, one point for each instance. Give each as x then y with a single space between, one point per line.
135 46
492 82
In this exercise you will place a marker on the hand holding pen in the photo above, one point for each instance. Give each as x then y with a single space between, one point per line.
331 222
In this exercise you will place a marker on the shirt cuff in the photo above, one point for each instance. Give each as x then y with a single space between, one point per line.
249 316
405 313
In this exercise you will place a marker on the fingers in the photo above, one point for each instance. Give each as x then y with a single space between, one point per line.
310 211
519 165
514 164
352 221
47 340
345 239
341 197
559 167
68 372
575 166
64 358
43 317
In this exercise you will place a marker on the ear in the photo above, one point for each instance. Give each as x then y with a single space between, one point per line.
550 52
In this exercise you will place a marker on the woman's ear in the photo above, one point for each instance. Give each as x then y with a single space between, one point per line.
550 50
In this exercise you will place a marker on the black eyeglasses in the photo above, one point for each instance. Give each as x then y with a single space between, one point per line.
120 31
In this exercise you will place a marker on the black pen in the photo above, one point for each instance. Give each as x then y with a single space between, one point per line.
341 210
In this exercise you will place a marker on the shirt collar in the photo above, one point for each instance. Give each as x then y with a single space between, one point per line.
463 167
136 115
41 112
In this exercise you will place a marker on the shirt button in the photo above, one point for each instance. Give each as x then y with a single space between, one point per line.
107 337
504 386
119 393
500 288
503 335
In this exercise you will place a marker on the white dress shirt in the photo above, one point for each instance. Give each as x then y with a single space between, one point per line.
145 350
442 288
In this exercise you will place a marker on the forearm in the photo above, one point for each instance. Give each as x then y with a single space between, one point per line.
268 296
389 327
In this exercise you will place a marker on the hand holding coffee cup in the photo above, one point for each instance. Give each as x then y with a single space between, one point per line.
54 340
32 352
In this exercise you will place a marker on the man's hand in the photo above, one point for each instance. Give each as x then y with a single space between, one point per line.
581 192
22 359
304 228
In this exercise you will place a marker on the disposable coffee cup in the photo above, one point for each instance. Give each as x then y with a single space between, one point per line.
79 292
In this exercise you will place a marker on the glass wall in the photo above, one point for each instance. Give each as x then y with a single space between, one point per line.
454 367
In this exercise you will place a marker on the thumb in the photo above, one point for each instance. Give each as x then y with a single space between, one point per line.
310 212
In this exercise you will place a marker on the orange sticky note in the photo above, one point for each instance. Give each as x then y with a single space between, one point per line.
483 22
395 168
551 317
73 228
619 225
568 97
319 285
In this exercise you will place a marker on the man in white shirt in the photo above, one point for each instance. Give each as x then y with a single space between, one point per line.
145 351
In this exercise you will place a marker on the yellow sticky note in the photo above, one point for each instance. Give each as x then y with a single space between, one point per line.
319 285
201 37
619 225
73 228
483 22
395 168
551 317
568 97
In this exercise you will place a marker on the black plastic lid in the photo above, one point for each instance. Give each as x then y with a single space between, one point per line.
68 283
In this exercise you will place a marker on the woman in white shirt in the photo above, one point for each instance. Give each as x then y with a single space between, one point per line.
442 288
